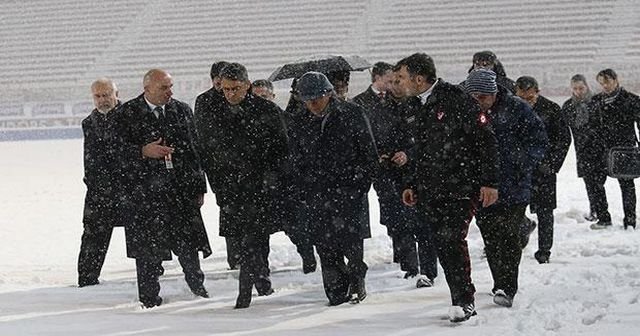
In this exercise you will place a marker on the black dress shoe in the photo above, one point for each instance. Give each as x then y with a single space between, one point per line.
542 257
201 292
243 301
152 303
309 266
629 222
339 301
266 292
87 282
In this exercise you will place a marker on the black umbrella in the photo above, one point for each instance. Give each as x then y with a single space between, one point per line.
323 63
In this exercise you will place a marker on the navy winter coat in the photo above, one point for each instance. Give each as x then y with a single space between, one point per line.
522 141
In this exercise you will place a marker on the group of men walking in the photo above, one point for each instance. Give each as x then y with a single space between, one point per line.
437 154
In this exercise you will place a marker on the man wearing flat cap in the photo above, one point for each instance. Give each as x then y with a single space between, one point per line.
333 159
521 144
487 59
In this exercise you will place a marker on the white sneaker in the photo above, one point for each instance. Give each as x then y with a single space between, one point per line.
502 299
461 313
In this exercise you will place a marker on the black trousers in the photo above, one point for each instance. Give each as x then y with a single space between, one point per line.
595 186
337 275
233 251
93 250
591 194
149 268
450 220
254 264
416 252
500 229
545 230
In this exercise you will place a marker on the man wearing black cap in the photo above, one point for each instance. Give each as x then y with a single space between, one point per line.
333 158
487 59
543 195
453 167
521 143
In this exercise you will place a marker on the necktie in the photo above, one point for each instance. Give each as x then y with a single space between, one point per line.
160 112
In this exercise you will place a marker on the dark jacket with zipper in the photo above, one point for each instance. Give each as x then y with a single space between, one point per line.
455 151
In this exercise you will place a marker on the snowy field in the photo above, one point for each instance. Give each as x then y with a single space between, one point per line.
591 286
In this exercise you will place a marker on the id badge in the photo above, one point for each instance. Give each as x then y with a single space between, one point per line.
167 161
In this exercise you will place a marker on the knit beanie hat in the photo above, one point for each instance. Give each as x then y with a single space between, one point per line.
481 81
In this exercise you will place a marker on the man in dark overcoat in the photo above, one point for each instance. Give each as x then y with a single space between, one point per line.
614 117
576 111
102 176
162 166
244 170
543 194
205 105
391 116
333 158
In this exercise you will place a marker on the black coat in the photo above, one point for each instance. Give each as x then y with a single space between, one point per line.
102 171
368 99
164 214
455 151
244 148
206 104
613 124
559 135
390 123
333 160
576 114
522 141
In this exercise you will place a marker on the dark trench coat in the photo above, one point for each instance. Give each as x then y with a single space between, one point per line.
163 212
559 135
244 148
102 172
333 161
613 124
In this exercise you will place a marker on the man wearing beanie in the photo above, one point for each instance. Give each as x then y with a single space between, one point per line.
452 167
543 195
333 159
521 144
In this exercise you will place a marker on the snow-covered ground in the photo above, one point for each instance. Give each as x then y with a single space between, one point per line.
591 286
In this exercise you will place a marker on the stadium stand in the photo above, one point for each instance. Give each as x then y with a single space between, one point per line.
53 50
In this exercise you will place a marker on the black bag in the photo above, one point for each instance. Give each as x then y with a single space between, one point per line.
624 162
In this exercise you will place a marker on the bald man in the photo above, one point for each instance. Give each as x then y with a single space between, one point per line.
162 166
101 176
